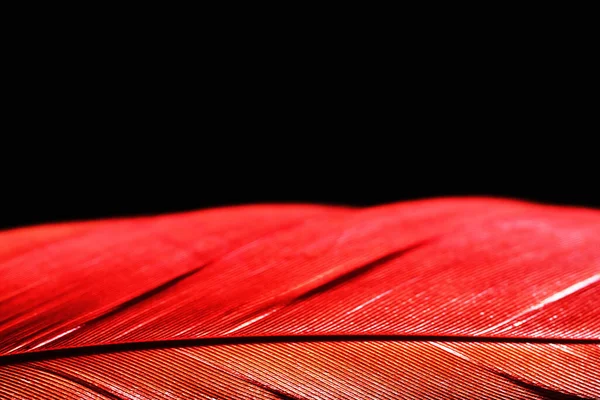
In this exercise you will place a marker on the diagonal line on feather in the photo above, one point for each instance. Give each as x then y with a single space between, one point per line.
544 388
74 325
163 287
139 298
299 293
531 311
79 381
231 372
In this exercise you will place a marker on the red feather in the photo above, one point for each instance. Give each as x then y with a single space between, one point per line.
447 298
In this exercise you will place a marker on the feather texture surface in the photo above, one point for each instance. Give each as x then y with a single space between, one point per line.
457 298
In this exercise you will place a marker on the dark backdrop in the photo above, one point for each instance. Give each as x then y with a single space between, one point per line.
490 118
83 189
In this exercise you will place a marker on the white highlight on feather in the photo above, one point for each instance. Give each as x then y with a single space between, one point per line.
370 301
549 300
245 324
564 293
138 326
452 351
55 338
566 349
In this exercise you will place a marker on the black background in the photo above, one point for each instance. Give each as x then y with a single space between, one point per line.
374 172
143 137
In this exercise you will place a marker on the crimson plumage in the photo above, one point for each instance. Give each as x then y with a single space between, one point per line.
444 298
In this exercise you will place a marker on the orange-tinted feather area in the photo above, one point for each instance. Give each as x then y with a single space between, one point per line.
446 298
317 370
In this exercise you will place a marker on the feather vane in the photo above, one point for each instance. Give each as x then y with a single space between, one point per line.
445 298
